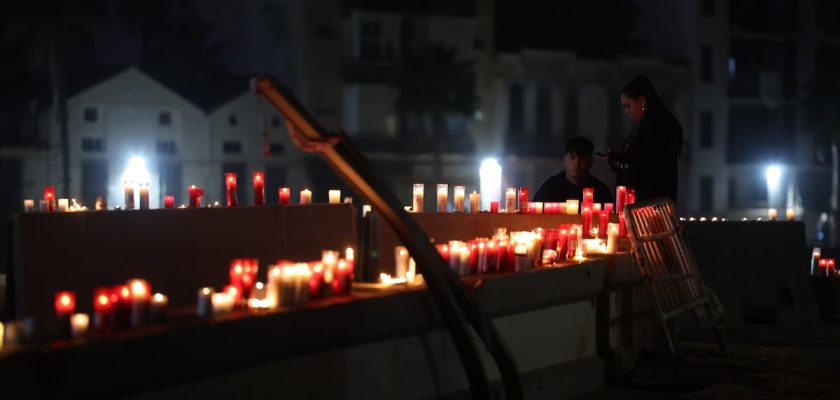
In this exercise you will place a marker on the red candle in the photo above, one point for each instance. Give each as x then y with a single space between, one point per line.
65 303
562 244
620 198
343 282
236 272
523 199
169 201
444 251
586 216
230 189
259 188
588 195
234 292
195 193
49 196
121 302
492 257
605 221
823 263
829 270
631 196
102 308
316 279
285 195
608 207
494 207
622 225
571 247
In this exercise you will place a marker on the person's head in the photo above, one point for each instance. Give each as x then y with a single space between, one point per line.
639 98
578 159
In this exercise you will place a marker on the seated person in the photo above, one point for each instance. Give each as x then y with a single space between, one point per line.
569 184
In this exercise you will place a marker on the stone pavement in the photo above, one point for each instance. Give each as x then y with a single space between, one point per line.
771 363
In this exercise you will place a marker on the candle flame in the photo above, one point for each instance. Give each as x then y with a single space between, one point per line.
103 299
205 291
65 300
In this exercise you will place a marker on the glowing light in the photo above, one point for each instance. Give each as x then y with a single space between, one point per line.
773 175
136 171
490 175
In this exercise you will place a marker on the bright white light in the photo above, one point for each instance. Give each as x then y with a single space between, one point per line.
774 174
136 171
490 174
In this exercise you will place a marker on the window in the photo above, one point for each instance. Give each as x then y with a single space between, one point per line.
94 180
232 147
166 147
232 120
778 16
165 118
93 145
706 64
763 69
707 7
707 129
758 133
91 114
371 41
277 148
170 179
516 109
275 122
544 111
707 193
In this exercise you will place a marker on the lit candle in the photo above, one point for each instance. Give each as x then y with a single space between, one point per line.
230 189
417 197
523 198
829 267
475 202
121 299
510 200
259 188
169 201
772 214
458 193
29 205
195 193
586 216
464 261
572 206
604 220
588 195
631 196
102 307
335 196
366 209
535 207
620 198
157 307
2 335
815 260
204 306
442 197
401 259
222 303
494 207
612 238
140 293
608 208
65 303
49 197
285 195
596 207
44 205
79 323
63 204
305 196
790 214
144 196
128 187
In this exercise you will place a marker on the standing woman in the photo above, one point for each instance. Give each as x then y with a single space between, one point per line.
648 161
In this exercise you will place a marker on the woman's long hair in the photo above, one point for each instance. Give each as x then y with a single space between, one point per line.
641 86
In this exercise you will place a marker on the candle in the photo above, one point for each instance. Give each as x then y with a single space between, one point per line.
204 306
335 196
464 261
44 205
79 323
230 189
620 198
535 207
195 193
608 208
401 261
596 207
442 197
586 215
572 206
285 195
790 214
588 195
494 207
121 300
631 196
829 267
815 260
475 202
63 204
458 193
49 197
305 196
222 303
65 303
140 293
144 196
169 201
417 197
612 238
128 187
622 225
2 335
259 188
510 200
102 307
157 307
29 205
523 198
772 214
604 220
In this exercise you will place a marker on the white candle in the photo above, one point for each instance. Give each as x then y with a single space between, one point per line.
417 196
772 214
401 259
612 238
366 209
2 335
204 305
144 196
157 307
63 204
29 205
272 287
79 323
572 206
475 202
537 206
222 303
596 207
129 195
458 193
442 197
305 196
335 196
464 265
510 200
790 214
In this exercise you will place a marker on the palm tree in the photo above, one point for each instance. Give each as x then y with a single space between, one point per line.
53 30
433 85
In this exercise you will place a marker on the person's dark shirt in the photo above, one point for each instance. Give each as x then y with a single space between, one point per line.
558 189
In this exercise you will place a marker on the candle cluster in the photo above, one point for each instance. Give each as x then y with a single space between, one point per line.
49 203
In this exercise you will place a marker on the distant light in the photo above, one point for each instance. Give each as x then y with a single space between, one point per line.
490 175
774 175
136 171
